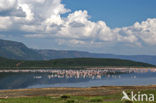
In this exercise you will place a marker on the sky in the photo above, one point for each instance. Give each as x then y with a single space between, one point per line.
101 26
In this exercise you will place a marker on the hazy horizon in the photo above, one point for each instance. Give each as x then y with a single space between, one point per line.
107 26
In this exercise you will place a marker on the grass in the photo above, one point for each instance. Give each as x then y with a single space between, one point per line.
74 95
110 98
72 99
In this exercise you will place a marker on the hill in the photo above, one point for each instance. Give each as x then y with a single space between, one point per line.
17 50
55 54
70 63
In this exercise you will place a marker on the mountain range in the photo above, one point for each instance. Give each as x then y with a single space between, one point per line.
17 50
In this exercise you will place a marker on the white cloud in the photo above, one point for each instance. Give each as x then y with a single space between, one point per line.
71 42
31 28
5 23
43 19
7 4
146 31
10 8
43 9
28 12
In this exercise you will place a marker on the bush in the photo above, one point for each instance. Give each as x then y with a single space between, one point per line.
96 100
65 96
70 101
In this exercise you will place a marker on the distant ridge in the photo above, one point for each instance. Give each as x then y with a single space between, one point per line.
73 63
17 50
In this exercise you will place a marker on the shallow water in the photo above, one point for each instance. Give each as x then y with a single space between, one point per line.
10 80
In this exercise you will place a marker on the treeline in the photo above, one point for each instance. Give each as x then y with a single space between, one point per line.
71 63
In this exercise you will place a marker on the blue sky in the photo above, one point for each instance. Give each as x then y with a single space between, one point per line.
100 26
116 13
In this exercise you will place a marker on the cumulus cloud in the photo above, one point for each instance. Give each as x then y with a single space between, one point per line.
7 4
10 8
145 30
43 19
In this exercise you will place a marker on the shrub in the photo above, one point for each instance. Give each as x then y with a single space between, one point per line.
65 96
96 100
70 101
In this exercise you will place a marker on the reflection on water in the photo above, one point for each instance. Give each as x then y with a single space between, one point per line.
15 79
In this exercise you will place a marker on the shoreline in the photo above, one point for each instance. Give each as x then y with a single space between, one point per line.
87 69
91 91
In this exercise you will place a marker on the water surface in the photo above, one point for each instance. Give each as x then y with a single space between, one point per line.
76 78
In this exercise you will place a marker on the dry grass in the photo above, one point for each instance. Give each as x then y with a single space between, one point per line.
93 91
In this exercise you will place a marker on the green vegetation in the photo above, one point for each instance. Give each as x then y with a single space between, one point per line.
70 63
105 94
109 98
73 99
17 50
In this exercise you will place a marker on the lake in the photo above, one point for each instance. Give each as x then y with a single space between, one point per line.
15 79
